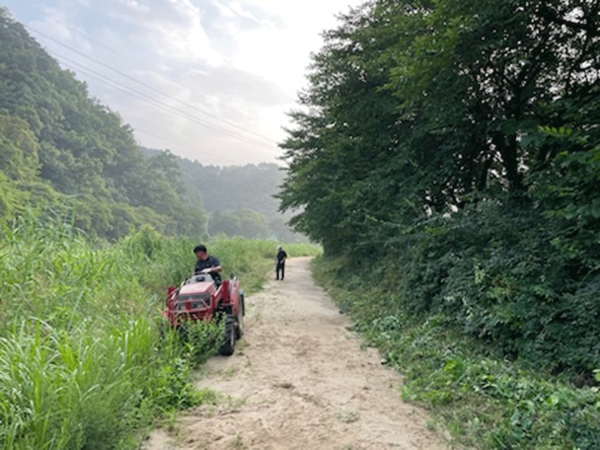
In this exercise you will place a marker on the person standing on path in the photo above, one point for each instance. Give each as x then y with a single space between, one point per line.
280 265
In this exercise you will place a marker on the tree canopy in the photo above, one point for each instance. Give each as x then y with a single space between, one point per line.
460 140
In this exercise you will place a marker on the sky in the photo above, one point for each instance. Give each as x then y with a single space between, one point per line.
210 80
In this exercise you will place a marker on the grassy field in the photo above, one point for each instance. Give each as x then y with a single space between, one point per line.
82 364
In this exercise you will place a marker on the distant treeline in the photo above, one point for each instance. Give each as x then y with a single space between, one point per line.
239 200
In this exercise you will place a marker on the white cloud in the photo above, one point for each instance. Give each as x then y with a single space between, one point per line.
136 5
56 22
225 11
184 36
284 54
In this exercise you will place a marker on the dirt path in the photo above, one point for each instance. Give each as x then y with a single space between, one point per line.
300 380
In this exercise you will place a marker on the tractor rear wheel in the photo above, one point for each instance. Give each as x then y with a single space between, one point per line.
228 345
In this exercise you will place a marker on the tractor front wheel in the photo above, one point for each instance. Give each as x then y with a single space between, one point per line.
228 345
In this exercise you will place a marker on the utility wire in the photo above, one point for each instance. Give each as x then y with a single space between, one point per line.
141 64
126 90
147 85
148 99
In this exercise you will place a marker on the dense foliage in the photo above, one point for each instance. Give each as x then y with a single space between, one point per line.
62 151
484 400
459 141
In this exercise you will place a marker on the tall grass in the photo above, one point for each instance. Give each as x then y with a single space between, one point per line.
82 364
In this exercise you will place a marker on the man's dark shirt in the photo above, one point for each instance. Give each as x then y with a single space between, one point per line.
208 263
281 255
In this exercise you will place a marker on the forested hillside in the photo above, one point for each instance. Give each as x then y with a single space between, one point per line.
449 153
239 200
68 155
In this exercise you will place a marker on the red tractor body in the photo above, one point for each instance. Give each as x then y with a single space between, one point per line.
199 298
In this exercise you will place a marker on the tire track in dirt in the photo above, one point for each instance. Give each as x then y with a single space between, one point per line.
300 380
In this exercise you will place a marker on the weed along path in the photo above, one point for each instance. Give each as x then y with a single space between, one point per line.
299 380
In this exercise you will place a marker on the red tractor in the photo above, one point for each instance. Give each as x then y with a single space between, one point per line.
199 298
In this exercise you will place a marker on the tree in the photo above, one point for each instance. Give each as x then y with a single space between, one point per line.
18 149
458 141
243 222
419 107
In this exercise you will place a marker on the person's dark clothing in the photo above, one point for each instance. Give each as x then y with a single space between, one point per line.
280 268
208 263
281 255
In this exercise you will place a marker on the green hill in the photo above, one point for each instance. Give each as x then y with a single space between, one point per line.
66 154
239 200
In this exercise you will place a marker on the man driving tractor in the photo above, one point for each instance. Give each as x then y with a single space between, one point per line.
207 264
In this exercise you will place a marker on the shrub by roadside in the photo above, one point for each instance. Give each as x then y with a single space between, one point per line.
484 400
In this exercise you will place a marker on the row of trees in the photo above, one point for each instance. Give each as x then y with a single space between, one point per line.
460 140
64 152
239 200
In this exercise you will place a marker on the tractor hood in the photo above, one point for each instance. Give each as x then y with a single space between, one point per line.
197 288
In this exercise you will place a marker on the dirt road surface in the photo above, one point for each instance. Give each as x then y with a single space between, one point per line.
299 380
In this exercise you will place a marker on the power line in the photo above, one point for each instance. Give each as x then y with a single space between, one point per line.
147 85
139 130
180 144
137 62
146 98
124 89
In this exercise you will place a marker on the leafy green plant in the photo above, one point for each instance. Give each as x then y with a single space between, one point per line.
484 400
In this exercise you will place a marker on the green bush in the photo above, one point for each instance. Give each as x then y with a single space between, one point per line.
484 400
496 273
